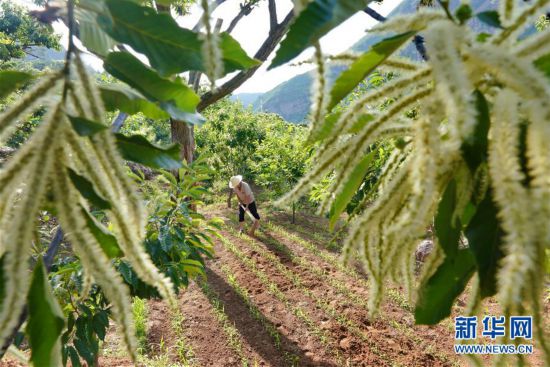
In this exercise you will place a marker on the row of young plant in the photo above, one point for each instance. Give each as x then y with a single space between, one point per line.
307 265
316 251
181 350
331 259
299 285
352 297
272 288
291 359
232 335
341 287
393 294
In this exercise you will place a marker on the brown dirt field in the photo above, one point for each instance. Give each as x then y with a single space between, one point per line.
339 331
389 341
206 335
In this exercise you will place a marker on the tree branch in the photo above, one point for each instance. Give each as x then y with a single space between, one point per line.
418 40
272 15
374 14
263 53
245 10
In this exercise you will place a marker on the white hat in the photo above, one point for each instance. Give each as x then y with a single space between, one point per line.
234 181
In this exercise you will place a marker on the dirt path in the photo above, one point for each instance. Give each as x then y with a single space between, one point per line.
283 299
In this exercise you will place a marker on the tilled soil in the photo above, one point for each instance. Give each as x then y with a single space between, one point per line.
317 325
290 315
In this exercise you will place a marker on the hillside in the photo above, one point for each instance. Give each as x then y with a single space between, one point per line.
291 99
42 57
246 99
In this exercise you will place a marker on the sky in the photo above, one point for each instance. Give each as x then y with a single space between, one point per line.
253 29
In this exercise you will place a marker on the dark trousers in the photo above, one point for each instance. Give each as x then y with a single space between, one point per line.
251 207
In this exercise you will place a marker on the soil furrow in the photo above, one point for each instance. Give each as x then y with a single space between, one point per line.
353 298
313 305
258 343
284 299
357 328
279 341
208 340
283 309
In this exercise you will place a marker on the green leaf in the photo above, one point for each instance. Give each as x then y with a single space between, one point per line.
75 360
482 37
463 13
350 188
485 241
10 80
437 295
84 351
362 120
87 190
330 123
46 320
234 57
364 65
169 48
108 242
99 327
89 32
447 230
490 17
130 70
468 214
191 118
316 20
138 149
543 64
474 148
85 127
124 99
173 96
103 318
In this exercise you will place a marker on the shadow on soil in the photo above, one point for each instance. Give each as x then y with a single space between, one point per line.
240 317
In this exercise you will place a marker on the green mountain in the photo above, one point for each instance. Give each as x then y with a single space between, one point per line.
39 58
246 99
291 99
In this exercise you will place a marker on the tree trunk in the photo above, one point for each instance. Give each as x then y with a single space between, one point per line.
293 213
184 134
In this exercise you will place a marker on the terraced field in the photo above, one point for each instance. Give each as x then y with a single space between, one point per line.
283 299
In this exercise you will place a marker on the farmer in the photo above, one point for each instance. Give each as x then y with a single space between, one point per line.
246 202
